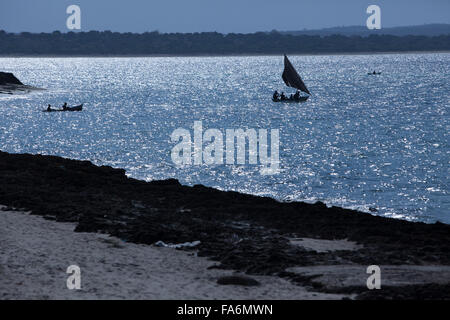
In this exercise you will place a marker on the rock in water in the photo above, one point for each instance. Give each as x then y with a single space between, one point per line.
238 280
9 78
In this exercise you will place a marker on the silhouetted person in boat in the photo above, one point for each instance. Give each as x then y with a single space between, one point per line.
297 95
374 72
282 97
65 106
276 95
291 97
49 108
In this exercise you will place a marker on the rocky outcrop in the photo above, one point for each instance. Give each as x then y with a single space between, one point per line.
8 78
9 84
241 232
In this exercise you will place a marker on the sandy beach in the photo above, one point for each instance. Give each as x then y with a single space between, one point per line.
35 254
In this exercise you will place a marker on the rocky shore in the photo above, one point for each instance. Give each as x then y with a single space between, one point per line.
9 84
9 78
320 248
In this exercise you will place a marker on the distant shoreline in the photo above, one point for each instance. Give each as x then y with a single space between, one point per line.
362 53
210 44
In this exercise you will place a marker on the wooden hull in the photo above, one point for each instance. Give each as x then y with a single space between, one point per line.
301 99
76 108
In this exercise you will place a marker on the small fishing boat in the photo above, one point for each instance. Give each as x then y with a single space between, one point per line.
374 73
292 79
293 100
75 108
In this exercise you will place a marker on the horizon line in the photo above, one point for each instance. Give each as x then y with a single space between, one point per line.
254 32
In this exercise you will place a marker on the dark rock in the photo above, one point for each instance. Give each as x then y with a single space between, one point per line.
238 281
168 182
8 78
430 291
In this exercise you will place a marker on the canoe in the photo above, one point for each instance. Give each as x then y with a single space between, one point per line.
76 108
374 74
301 99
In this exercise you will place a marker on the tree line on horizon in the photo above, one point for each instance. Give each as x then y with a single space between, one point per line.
208 43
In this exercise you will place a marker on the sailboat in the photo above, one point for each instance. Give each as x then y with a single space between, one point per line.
292 79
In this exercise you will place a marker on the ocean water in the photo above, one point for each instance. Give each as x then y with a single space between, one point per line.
379 144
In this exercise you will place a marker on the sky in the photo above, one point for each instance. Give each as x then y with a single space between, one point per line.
225 16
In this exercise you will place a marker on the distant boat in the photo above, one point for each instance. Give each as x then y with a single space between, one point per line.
76 108
292 79
374 73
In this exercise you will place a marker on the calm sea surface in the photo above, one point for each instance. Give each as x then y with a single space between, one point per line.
378 143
